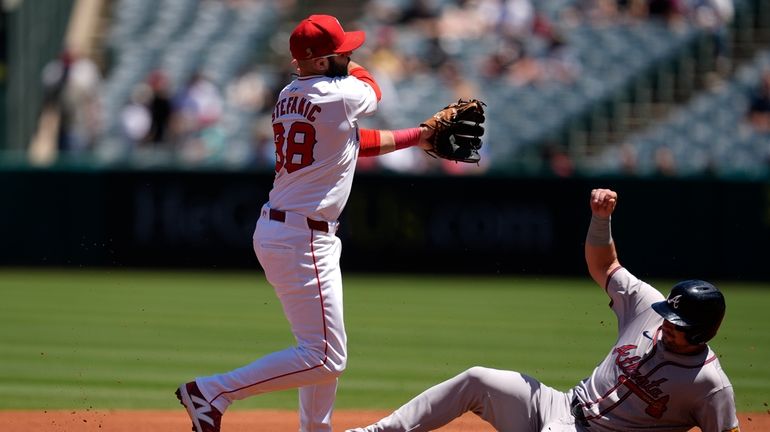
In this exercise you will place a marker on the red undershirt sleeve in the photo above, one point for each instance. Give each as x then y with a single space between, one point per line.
370 142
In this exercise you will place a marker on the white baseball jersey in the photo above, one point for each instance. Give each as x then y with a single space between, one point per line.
315 127
640 383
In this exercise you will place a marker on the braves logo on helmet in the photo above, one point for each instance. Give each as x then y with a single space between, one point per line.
674 301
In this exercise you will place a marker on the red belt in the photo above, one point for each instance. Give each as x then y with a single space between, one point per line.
280 216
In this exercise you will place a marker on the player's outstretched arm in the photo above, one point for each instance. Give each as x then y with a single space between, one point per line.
600 253
376 142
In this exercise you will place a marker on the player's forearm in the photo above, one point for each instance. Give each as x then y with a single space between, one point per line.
380 142
601 261
600 253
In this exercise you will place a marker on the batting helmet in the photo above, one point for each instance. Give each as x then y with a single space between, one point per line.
695 305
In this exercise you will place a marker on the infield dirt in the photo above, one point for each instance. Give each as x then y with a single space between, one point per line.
237 421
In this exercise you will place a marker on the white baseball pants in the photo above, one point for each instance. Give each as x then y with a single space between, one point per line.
302 265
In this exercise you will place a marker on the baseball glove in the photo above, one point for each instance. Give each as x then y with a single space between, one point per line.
457 131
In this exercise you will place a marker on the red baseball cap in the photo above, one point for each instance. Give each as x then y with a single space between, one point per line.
320 35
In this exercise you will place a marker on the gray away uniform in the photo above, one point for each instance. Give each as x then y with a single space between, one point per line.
638 387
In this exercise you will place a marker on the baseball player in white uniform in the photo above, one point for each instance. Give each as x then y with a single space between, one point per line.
317 138
659 375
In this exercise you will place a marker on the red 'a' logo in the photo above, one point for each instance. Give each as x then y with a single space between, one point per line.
647 390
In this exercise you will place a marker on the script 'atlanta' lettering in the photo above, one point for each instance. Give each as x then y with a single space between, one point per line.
296 105
647 390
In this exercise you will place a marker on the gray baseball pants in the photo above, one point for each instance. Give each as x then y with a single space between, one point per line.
509 401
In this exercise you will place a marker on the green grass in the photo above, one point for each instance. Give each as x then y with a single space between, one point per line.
125 339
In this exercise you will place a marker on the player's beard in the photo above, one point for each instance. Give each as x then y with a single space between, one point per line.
337 69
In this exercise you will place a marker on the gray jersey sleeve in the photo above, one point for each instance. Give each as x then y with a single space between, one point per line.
629 296
717 412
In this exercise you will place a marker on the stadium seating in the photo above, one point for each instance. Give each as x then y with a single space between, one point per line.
709 135
182 38
620 65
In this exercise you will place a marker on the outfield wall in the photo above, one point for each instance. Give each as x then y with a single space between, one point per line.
685 228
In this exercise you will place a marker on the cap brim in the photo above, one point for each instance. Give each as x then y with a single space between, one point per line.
664 310
353 41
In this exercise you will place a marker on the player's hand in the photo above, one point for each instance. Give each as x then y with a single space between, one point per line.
603 202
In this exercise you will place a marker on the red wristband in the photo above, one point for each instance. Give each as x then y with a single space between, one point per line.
404 138
370 142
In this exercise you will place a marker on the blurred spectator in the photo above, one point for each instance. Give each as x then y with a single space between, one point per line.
81 100
385 57
384 12
204 146
160 108
501 59
557 160
524 71
559 63
391 105
436 56
510 19
197 106
464 15
628 159
604 12
633 8
759 106
670 11
55 78
71 117
245 127
665 163
543 27
248 91
453 78
200 100
135 117
419 10
556 64
715 17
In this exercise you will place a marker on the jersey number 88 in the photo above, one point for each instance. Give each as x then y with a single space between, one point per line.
299 142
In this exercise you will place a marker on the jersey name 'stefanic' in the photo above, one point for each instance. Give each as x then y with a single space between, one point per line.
641 383
315 125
